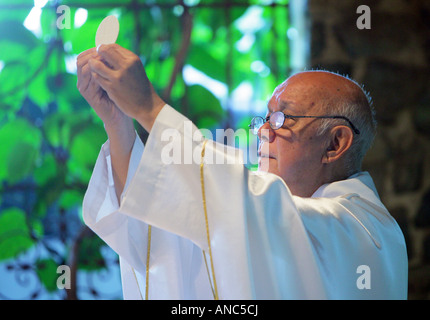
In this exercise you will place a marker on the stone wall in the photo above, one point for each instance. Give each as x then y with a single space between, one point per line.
392 60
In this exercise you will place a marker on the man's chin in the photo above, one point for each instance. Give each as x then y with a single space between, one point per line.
266 165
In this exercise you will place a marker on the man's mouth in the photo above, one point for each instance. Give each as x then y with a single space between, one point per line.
264 152
265 155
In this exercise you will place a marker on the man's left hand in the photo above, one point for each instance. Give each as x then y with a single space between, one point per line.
121 74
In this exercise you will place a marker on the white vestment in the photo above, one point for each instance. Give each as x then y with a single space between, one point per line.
266 243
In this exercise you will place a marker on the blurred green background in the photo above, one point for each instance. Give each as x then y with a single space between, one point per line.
215 61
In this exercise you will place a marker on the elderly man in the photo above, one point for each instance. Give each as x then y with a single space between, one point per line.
308 225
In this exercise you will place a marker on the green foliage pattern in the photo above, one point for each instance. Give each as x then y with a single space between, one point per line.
49 135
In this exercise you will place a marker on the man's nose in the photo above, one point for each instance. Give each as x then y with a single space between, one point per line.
266 133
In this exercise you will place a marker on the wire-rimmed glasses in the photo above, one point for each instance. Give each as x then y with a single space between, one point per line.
277 120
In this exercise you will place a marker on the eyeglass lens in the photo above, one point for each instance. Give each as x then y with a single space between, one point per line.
256 124
276 120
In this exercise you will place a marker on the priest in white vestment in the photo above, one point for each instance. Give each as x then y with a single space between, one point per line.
308 225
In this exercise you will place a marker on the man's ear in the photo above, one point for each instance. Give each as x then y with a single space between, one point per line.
341 138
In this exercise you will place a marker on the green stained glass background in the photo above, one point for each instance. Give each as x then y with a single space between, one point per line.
215 61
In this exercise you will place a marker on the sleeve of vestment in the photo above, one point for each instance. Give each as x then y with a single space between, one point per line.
266 243
100 210
258 239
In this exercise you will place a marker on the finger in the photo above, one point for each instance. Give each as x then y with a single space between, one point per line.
100 68
111 53
83 60
83 56
89 51
84 79
93 85
94 89
102 82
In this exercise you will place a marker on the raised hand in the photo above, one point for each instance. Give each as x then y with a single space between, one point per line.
119 127
95 95
120 73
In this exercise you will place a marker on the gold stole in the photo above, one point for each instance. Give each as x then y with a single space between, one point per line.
212 283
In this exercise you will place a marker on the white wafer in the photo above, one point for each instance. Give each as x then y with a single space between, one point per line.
108 31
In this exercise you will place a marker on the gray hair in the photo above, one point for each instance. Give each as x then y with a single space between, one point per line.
359 109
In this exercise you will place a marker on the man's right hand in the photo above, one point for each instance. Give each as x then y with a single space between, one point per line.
119 127
97 98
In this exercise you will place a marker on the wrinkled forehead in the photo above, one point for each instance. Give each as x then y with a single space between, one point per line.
286 106
308 91
293 97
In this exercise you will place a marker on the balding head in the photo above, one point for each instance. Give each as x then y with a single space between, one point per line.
334 94
327 87
345 97
313 151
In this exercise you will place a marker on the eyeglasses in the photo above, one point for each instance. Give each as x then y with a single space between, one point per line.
277 119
